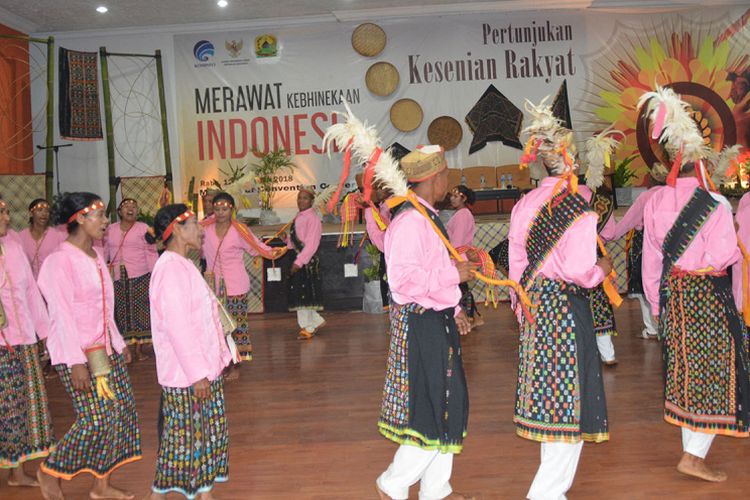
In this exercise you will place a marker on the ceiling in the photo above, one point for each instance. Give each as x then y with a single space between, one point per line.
41 16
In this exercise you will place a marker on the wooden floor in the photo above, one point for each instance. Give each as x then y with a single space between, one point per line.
302 421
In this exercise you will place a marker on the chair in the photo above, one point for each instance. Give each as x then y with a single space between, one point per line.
515 175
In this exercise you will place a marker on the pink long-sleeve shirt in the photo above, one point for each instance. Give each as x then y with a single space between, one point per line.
742 218
24 308
131 249
188 339
714 247
377 235
608 231
226 258
37 251
633 218
308 228
419 266
574 258
461 228
81 301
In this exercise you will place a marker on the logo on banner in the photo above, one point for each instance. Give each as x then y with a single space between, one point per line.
265 46
234 47
203 50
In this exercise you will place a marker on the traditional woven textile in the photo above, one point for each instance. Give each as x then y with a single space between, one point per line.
25 424
706 363
237 307
18 191
560 393
80 118
602 312
132 308
194 444
105 434
425 399
634 256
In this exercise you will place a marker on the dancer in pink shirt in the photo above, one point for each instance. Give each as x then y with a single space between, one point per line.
25 424
560 399
225 244
89 354
191 353
461 229
305 285
40 239
689 243
131 260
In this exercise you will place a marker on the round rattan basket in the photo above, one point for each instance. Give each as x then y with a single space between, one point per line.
382 79
446 131
368 39
406 115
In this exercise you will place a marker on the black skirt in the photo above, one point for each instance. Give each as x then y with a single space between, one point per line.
305 287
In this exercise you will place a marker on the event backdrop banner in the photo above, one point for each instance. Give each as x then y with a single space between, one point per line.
235 104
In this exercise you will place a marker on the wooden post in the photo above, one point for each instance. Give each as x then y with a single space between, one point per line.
110 133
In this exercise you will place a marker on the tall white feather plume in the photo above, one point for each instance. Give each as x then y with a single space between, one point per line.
365 140
550 132
673 124
322 198
599 150
728 155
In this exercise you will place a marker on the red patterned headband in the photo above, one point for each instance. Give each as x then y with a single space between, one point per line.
223 203
180 218
39 206
85 211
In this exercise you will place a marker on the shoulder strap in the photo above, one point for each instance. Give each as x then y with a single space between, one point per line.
548 226
682 233
603 204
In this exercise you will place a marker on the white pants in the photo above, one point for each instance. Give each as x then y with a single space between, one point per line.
696 443
411 464
556 471
606 347
309 319
648 320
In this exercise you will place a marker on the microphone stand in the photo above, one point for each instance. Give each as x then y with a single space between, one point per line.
55 148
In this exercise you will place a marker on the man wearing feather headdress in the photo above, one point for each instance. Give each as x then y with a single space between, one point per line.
689 242
560 398
425 401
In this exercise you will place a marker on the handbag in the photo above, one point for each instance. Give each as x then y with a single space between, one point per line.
228 325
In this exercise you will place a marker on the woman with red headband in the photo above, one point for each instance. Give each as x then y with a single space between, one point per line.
131 260
191 353
40 239
305 284
461 229
225 244
25 424
89 354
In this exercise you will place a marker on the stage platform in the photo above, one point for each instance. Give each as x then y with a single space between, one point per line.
302 421
345 293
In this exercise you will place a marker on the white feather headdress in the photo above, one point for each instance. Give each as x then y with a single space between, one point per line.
599 150
547 138
674 125
363 142
724 162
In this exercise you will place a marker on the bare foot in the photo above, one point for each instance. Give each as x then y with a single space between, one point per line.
382 495
139 354
693 466
477 321
232 373
18 477
100 492
49 485
156 496
206 496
